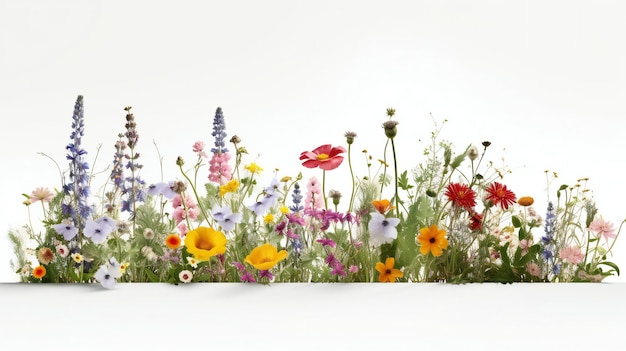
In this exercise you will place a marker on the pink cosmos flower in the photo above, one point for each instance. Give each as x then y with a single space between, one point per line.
41 194
325 157
571 254
602 228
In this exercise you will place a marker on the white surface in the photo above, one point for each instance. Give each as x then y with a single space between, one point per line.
544 81
315 316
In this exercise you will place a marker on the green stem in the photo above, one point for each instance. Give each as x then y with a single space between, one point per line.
323 189
395 169
351 178
195 192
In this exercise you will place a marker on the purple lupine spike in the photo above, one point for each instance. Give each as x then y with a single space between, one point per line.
78 187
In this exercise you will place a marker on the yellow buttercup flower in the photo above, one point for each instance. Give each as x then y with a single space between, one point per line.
269 218
265 257
229 187
432 239
204 243
253 168
284 210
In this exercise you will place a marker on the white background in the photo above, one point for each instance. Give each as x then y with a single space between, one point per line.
544 81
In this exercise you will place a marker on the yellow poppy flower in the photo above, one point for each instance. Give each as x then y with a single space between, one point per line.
204 243
265 257
432 239
386 272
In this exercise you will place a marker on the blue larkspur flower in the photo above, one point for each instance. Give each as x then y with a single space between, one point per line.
78 187
219 132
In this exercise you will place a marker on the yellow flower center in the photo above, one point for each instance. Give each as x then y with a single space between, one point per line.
322 157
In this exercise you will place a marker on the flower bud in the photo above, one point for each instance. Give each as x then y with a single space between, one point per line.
350 137
390 129
472 153
336 196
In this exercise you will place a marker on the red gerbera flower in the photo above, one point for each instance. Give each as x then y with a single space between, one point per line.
325 157
461 195
499 194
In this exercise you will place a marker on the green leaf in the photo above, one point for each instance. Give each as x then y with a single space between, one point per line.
459 159
612 265
403 181
516 221
153 278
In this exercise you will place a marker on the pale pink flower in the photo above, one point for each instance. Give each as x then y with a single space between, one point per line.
533 269
193 213
41 194
602 228
182 229
313 198
178 214
571 254
62 250
525 244
198 147
220 171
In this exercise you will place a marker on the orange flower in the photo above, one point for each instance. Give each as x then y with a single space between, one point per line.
383 206
525 201
39 272
386 271
432 239
173 241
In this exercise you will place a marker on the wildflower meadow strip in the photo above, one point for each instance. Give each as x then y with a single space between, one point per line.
451 218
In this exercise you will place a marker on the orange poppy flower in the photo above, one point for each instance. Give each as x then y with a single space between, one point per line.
383 206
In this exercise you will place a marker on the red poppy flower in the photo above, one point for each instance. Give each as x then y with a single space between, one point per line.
325 157
500 195
461 195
